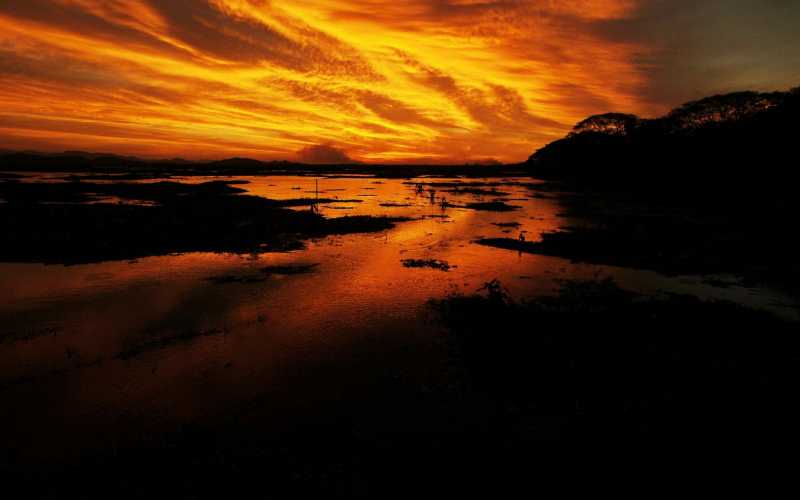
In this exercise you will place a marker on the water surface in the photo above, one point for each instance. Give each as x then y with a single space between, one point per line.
91 353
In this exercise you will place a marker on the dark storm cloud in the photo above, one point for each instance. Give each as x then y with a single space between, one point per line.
323 154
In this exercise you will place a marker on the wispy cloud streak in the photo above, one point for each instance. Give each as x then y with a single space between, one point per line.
382 81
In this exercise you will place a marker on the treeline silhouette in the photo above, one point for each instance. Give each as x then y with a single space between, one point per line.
711 148
709 188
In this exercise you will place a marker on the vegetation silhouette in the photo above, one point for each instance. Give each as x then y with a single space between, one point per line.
710 187
719 142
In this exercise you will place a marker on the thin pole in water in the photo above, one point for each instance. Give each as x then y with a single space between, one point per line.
315 204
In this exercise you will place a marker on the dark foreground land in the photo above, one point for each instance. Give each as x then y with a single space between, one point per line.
72 223
593 366
82 220
609 364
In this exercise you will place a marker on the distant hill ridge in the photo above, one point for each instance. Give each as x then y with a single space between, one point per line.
79 161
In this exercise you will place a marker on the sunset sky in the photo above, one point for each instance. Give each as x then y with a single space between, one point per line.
378 81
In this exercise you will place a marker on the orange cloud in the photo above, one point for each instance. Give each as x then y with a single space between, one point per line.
386 81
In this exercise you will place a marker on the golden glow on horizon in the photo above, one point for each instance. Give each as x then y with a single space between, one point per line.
385 81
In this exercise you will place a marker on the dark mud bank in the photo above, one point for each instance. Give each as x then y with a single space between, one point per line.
602 363
53 223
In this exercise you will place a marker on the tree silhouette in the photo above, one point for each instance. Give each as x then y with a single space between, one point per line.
608 123
722 108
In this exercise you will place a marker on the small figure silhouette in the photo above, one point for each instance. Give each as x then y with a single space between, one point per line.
522 237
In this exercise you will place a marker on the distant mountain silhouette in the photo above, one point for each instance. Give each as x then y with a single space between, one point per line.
733 141
103 163
82 161
65 162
